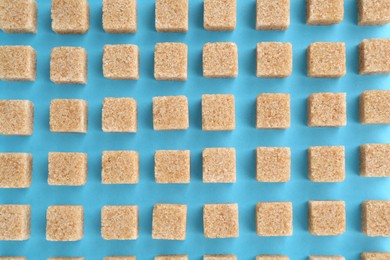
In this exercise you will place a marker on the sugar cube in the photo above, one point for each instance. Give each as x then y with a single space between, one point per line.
273 164
324 12
375 256
170 61
220 15
16 117
327 218
15 222
272 257
169 221
274 59
219 257
327 110
171 15
70 16
326 163
119 115
68 169
220 60
120 167
119 222
64 223
18 63
374 107
172 166
218 112
18 16
220 220
121 61
374 160
69 116
219 165
374 56
272 15
171 257
274 219
120 16
376 218
273 111
170 113
15 170
374 12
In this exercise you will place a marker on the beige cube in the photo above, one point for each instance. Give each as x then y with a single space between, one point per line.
18 16
69 65
220 15
68 169
376 218
69 116
374 107
119 115
15 170
120 258
272 257
274 219
274 59
170 61
172 166
64 223
273 111
15 222
66 258
272 15
327 218
219 165
70 16
326 60
170 113
326 257
120 167
171 257
324 12
220 257
12 258
273 164
374 56
16 117
119 222
120 16
121 61
171 15
327 110
375 256
374 160
374 12
220 60
169 221
218 112
18 63
326 163
220 220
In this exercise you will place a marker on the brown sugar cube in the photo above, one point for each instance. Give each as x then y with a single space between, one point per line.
272 257
273 111
324 12
68 65
274 219
120 16
171 257
169 221
220 60
272 15
327 218
327 257
374 160
15 222
220 257
66 258
274 60
374 12
220 15
374 107
68 169
68 116
375 256
171 15
12 258
220 220
219 165
17 63
70 16
16 117
327 110
120 222
376 218
374 56
326 163
326 60
170 61
120 167
64 223
120 258
119 115
218 112
121 61
273 164
15 170
18 16
170 113
172 166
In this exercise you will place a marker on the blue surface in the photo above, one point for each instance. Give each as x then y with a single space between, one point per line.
245 139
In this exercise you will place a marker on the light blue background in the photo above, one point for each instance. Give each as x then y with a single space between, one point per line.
245 138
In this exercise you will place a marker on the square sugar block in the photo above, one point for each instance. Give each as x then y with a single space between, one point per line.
326 60
69 116
324 12
219 165
66 258
67 169
15 222
120 258
119 115
273 111
18 63
169 222
374 160
374 12
70 16
15 170
119 222
274 59
220 60
170 61
12 258
327 218
170 113
272 15
273 164
272 257
18 16
120 16
374 107
16 117
220 15
326 163
120 167
171 257
326 257
274 219
376 218
374 55
69 65
220 220
171 15
121 61
219 257
172 166
327 110
64 223
218 112
375 256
